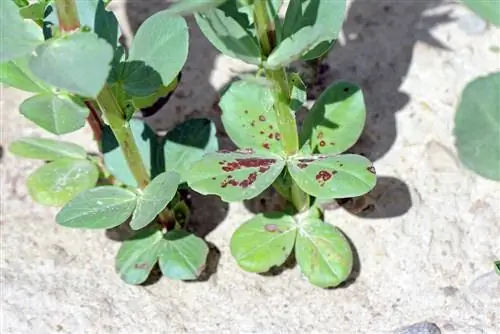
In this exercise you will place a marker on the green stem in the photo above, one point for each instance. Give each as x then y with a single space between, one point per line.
281 92
121 129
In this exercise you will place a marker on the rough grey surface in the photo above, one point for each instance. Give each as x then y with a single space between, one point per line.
425 248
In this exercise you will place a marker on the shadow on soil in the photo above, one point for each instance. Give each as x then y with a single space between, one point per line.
377 54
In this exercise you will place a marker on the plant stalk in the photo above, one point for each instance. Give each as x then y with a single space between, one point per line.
67 14
281 92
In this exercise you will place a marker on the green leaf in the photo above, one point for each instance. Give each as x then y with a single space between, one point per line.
23 37
148 101
235 176
487 9
187 7
138 255
299 94
46 149
106 24
264 241
16 73
154 198
56 114
477 126
162 44
138 79
249 118
182 255
497 267
98 208
78 63
186 144
34 11
230 31
324 16
114 159
57 182
336 120
333 176
323 254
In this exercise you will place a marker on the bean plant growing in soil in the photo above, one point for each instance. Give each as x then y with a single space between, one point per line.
70 55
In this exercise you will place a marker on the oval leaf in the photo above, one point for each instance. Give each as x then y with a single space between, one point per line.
16 73
235 176
264 241
186 144
182 255
46 149
56 114
57 182
249 118
113 155
23 37
323 254
230 31
477 126
336 176
336 120
138 255
64 62
98 208
154 199
161 43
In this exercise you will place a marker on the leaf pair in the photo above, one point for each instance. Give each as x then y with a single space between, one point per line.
109 206
181 255
177 151
67 173
321 250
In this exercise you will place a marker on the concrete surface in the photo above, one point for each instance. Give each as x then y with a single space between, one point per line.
425 249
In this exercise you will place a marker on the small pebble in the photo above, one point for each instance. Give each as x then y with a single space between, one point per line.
419 328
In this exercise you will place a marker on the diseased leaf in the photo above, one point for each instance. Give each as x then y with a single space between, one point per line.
138 255
230 31
23 37
336 120
235 176
64 62
477 126
487 9
46 149
16 73
154 198
106 24
333 176
57 114
323 254
249 118
98 208
154 45
187 7
114 159
57 182
182 255
264 241
186 144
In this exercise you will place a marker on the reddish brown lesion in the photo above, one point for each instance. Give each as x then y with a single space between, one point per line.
263 166
324 176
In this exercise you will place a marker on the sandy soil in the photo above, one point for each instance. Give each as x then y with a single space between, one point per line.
425 250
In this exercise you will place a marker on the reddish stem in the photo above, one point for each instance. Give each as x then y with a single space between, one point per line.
94 121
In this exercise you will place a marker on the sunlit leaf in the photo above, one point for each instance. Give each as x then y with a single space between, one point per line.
182 255
138 255
34 11
235 176
477 126
57 114
336 120
46 149
64 62
186 144
57 182
154 198
323 253
333 176
98 208
16 73
23 37
186 7
264 241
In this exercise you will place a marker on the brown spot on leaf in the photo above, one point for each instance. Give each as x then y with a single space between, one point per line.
302 165
266 146
322 143
270 127
214 178
271 136
263 169
277 135
261 132
252 124
320 135
141 265
323 176
332 143
371 169
262 118
271 227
